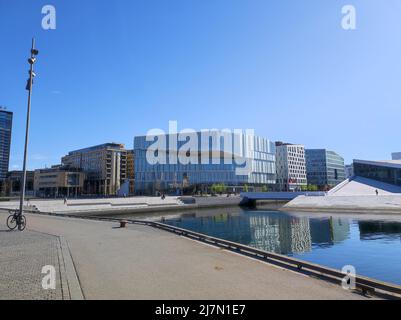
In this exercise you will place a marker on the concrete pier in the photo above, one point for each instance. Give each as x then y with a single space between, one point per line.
140 262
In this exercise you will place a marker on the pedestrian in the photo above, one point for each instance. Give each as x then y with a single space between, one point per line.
377 192
65 200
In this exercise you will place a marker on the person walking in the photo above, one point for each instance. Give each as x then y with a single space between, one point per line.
65 200
377 192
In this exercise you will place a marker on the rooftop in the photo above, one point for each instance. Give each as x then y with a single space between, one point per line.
4 109
381 163
111 145
280 143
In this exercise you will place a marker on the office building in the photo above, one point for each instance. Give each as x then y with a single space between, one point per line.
396 156
324 168
14 182
104 166
252 162
349 171
6 120
388 171
58 181
290 166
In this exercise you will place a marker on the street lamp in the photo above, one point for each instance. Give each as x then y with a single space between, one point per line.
31 61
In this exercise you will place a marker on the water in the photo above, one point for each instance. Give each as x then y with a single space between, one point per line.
372 246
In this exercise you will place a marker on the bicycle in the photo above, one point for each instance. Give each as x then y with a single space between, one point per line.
15 220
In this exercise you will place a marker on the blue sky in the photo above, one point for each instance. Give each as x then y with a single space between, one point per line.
115 69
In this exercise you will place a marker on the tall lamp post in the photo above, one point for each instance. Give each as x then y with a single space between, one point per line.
31 62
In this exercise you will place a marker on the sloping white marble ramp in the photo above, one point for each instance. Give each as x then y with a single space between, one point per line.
358 186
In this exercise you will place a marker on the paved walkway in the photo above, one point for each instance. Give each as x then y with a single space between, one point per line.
94 205
22 257
140 262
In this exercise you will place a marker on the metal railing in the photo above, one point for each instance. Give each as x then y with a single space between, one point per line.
364 284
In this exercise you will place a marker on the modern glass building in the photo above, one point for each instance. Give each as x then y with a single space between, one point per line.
215 157
6 119
324 167
383 171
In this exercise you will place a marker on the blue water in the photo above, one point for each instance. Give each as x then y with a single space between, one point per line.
373 247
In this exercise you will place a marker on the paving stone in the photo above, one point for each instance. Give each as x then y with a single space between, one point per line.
22 257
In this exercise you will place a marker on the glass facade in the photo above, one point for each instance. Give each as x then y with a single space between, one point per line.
324 168
383 172
259 154
6 119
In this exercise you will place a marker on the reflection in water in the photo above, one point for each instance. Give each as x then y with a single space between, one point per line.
285 236
379 229
274 232
373 247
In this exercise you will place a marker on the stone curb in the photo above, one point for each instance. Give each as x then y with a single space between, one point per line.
73 289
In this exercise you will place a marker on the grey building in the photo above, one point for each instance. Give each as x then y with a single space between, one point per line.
324 168
6 120
215 147
396 156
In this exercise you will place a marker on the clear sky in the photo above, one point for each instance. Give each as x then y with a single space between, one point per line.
115 69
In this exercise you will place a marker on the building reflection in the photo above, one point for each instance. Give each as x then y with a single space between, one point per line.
370 230
280 234
275 232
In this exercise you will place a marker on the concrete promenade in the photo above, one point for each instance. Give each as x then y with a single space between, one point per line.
140 262
122 206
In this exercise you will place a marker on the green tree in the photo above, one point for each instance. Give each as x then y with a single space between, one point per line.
213 188
218 188
313 187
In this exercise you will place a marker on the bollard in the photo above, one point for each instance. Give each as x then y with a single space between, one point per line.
123 223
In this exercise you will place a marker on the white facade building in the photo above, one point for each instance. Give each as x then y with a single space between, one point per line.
290 166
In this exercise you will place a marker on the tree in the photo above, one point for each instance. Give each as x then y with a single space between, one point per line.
218 188
313 187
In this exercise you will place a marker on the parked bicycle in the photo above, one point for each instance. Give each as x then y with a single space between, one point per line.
15 219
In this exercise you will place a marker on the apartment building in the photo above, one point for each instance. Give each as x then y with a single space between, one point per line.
105 167
131 171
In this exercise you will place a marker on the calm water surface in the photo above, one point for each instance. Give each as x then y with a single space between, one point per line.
372 246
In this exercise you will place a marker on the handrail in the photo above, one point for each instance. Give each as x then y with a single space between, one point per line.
364 283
